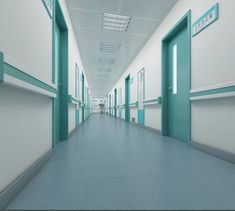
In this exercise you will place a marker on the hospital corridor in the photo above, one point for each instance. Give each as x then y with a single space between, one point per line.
117 105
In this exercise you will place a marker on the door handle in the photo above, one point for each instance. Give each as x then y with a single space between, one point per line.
170 88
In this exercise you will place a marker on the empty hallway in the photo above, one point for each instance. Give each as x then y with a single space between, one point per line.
117 104
103 168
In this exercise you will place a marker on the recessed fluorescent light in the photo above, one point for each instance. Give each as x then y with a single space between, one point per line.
101 80
106 61
115 22
104 69
100 76
109 47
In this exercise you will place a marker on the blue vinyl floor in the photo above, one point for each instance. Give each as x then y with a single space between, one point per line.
111 164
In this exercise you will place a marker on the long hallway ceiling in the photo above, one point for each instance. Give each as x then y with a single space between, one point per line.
110 33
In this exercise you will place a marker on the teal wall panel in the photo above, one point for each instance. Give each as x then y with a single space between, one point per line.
141 117
77 117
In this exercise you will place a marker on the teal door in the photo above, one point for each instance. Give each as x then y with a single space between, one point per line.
109 104
178 83
57 81
83 98
112 103
77 85
120 102
60 76
115 102
127 98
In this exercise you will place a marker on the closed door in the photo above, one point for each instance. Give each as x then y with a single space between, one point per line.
178 86
77 91
127 98
109 104
83 98
115 102
120 102
57 81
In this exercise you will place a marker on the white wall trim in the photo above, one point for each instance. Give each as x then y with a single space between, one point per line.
14 63
213 96
9 80
216 86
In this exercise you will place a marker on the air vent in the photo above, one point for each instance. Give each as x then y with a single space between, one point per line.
115 22
102 76
106 61
109 47
101 80
106 70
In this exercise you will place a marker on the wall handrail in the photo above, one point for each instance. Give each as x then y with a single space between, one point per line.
153 101
15 74
133 104
222 90
73 100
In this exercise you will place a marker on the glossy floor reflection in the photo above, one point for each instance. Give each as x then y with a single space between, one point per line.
111 164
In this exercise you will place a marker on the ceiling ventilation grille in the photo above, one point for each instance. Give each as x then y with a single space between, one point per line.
104 70
106 61
109 47
115 22
103 75
102 80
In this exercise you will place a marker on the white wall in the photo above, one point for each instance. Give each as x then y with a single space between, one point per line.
26 35
26 131
213 62
26 117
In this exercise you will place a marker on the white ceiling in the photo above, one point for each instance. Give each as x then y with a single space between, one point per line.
86 16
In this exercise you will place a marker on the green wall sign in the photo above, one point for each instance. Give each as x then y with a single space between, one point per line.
205 20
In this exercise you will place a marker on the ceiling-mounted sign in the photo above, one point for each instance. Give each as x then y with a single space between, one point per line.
49 6
205 20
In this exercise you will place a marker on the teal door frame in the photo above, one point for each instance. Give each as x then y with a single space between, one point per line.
141 112
119 102
110 104
60 75
115 102
83 98
77 91
127 98
183 23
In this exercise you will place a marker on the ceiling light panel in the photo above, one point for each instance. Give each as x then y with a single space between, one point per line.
115 22
106 70
103 75
106 61
109 47
101 80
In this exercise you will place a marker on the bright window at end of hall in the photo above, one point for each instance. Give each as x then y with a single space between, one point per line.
174 75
